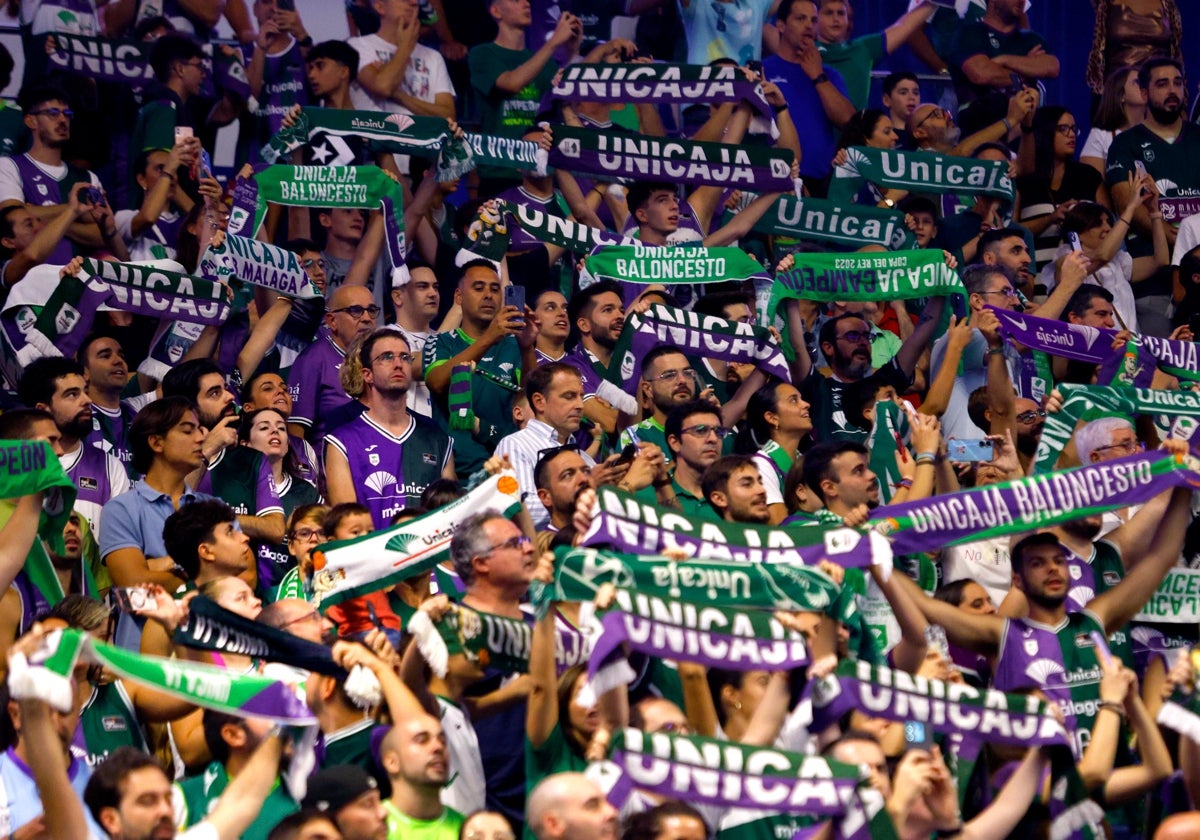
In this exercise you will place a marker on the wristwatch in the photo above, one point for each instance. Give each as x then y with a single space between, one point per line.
823 77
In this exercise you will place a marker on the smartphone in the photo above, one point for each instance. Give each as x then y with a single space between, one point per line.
1016 83
970 450
1073 238
285 5
1141 170
1102 652
918 735
627 454
1194 324
94 196
206 165
133 598
514 295
754 67
182 131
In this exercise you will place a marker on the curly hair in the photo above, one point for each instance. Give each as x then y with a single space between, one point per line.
1097 61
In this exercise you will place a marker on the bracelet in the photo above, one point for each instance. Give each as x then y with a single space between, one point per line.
1112 707
666 482
996 351
779 109
822 77
906 483
930 455
925 459
1007 125
1119 220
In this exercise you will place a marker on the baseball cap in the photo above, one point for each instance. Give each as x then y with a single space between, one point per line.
336 787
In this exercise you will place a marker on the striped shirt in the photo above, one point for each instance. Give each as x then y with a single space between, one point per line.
523 449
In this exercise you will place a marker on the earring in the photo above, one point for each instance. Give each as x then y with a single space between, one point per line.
737 706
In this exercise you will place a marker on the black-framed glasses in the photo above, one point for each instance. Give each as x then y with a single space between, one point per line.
389 358
856 336
356 311
703 430
307 534
307 264
53 113
1030 416
936 112
518 542
672 375
1067 130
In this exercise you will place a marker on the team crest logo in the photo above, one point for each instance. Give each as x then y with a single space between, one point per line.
1148 155
374 459
569 146
113 723
1075 572
1031 647
428 458
86 482
43 189
780 168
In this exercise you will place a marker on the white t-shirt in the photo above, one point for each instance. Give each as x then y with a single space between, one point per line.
420 401
12 188
424 77
1113 275
466 793
987 562
1188 237
1097 143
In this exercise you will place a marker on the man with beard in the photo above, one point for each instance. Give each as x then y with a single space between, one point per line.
415 755
846 343
56 385
990 56
597 315
1006 247
493 353
1166 144
734 488
42 180
1051 649
106 371
387 456
668 380
555 393
238 474
417 303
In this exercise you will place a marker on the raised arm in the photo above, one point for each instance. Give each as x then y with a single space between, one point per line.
541 715
240 804
958 336
980 633
912 348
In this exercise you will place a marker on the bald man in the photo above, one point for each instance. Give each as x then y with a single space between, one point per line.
1185 826
569 805
417 762
319 402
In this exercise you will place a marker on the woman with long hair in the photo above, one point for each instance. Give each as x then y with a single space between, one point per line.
1122 106
779 421
871 128
1057 182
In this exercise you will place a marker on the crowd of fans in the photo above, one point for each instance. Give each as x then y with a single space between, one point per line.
217 466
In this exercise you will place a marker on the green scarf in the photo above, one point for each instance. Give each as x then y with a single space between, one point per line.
888 426
842 224
1086 401
48 678
919 172
349 568
869 276
670 266
27 467
367 187
575 237
1176 601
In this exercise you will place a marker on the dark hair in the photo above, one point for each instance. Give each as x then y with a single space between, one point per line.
785 7
1150 65
540 480
187 243
562 691
892 79
337 513
952 593
677 416
183 380
646 825
479 262
580 304
1110 113
212 722
919 204
640 192
39 381
792 482
191 525
156 418
81 612
289 827
992 147
978 406
715 303
168 50
81 355
859 128
17 423
1045 130
716 476
7 64
1081 299
439 492
829 332
291 464
299 246
367 348
975 276
761 401
538 382
717 679
7 231
338 51
1017 554
996 235
1189 266
31 96
857 398
144 27
818 461
657 353
1085 215
104 788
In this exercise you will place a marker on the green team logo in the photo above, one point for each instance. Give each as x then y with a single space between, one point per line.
400 542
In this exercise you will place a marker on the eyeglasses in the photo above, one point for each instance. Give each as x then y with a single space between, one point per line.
1067 130
315 615
513 542
855 336
672 375
936 112
1128 447
389 358
54 113
356 312
198 63
307 534
1007 291
702 430
677 728
1030 416
307 264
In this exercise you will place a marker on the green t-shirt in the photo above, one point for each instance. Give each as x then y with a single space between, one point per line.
350 745
14 136
647 431
108 721
854 60
502 113
555 755
403 827
496 378
689 505
198 795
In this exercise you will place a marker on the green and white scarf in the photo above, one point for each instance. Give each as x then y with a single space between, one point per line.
366 187
919 172
260 264
27 467
843 224
1176 601
47 676
575 237
648 264
887 437
349 568
876 276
